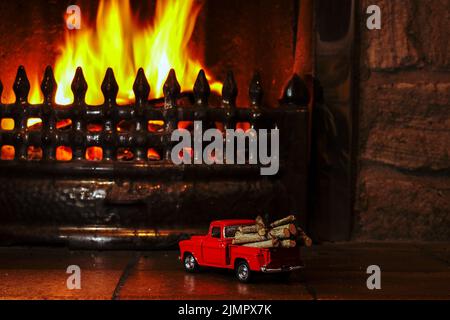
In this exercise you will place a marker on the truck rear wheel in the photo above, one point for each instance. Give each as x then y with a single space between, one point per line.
243 272
190 264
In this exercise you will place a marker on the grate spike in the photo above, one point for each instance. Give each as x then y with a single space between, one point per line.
79 86
202 89
256 90
49 85
171 88
21 85
1 91
296 92
229 90
141 86
110 88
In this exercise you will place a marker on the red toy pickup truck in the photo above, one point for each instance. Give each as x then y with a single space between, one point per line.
216 250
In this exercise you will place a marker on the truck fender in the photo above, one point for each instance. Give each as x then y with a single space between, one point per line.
239 259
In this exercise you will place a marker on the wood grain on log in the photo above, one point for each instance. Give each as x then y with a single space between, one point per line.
248 238
282 233
283 221
291 227
248 229
288 243
272 243
304 237
257 228
262 231
260 220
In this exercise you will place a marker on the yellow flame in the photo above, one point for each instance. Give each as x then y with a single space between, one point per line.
33 121
36 96
119 42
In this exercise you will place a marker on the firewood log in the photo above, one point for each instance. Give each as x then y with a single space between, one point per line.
281 233
288 243
291 227
272 243
283 221
262 231
248 229
257 228
302 236
248 238
260 226
260 220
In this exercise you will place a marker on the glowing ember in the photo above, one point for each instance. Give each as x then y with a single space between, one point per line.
7 124
155 126
124 154
7 152
94 127
120 42
34 153
186 125
64 124
153 155
63 153
34 124
94 154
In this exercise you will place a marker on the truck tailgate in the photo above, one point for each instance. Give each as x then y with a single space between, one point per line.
280 257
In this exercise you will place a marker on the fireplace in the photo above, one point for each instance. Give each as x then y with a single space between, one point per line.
96 170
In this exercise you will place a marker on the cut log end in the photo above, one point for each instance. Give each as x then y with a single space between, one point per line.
288 244
262 232
282 233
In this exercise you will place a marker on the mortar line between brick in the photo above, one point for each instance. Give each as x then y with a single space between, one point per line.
125 275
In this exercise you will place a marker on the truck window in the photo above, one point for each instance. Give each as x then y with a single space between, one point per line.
215 232
231 231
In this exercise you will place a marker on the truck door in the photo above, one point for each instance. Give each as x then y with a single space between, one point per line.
214 248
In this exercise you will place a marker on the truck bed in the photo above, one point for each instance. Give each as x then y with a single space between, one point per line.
273 258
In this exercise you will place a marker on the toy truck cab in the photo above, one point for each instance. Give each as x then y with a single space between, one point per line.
216 250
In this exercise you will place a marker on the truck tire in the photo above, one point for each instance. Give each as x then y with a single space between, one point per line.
190 263
243 272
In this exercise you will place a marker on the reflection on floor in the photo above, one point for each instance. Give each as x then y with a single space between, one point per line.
333 271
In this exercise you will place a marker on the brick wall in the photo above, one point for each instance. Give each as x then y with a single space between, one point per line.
403 180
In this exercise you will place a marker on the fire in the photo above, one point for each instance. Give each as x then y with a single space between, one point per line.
118 41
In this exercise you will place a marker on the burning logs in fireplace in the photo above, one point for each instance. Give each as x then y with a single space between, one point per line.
281 233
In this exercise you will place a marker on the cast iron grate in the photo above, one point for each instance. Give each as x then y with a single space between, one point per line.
167 112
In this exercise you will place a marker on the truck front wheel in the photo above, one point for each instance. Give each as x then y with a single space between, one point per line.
243 272
190 264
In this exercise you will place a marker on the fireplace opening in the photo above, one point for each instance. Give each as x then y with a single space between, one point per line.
87 114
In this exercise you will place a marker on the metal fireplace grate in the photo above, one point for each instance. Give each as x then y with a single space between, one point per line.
109 115
79 200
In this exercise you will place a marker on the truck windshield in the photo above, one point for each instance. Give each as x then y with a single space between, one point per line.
230 231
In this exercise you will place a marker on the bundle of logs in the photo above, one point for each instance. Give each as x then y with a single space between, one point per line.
281 233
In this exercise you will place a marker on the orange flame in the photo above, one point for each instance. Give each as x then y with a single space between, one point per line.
119 42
